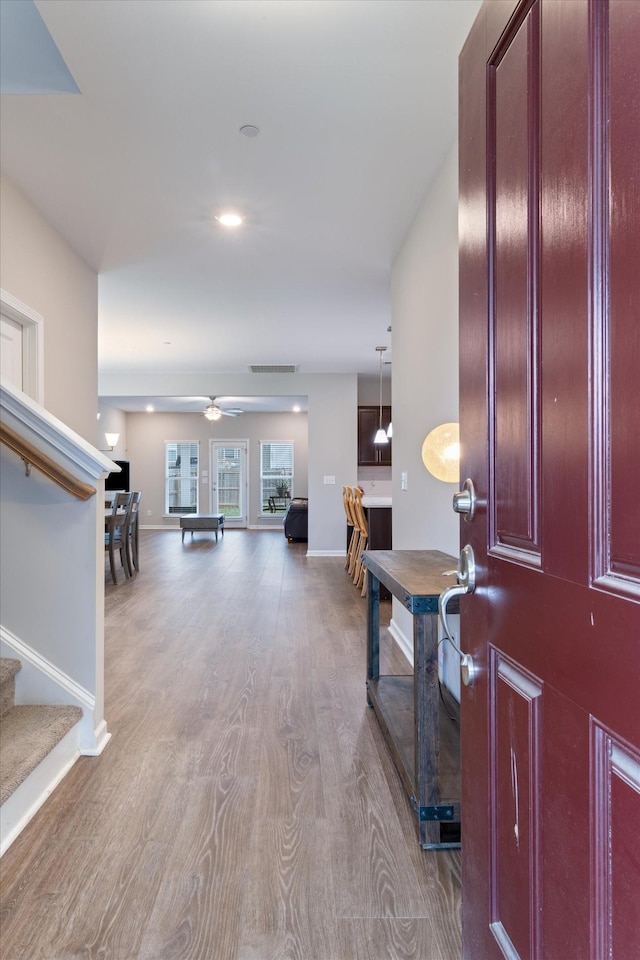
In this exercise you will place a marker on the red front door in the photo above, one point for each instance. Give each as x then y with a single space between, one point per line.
550 431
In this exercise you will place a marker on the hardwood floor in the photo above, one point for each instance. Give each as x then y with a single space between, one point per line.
246 807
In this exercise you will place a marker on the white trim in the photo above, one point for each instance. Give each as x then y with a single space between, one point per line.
40 681
404 643
26 800
17 406
159 526
27 654
102 737
32 325
326 553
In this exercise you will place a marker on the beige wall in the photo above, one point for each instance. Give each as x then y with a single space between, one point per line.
52 565
38 268
146 435
332 424
425 378
425 364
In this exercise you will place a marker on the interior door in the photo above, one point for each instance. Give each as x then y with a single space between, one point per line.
550 421
11 352
229 481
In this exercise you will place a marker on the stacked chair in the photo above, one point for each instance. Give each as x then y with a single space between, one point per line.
357 520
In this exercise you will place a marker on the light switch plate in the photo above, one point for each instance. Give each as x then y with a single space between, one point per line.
329 479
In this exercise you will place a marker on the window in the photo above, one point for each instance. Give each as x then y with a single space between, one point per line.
181 478
276 476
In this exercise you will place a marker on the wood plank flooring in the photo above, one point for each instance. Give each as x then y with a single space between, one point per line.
246 807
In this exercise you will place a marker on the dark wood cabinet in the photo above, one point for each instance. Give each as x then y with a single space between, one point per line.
370 455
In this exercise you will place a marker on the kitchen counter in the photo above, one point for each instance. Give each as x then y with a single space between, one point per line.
368 501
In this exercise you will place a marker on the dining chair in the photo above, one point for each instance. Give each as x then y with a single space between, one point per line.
132 534
115 533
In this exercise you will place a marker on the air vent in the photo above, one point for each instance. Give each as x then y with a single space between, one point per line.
273 367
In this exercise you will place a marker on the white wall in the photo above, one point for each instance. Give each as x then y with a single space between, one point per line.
425 372
146 434
39 268
332 429
52 568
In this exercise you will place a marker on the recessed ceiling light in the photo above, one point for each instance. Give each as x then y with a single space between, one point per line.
149 408
230 219
249 130
296 409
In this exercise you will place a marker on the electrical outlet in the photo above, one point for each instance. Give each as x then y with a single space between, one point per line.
149 513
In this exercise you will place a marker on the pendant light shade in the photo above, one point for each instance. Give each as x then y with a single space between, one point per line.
381 436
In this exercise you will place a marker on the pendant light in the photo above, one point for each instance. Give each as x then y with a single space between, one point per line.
381 436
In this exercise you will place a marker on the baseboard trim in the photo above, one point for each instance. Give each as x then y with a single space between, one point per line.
404 643
26 800
159 526
27 654
40 681
327 553
102 737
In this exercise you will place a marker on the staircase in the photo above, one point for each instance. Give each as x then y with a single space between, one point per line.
28 733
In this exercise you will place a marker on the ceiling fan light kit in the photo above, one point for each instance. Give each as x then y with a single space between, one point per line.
214 412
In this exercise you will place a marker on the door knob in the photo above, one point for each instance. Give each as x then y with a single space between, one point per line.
466 574
464 501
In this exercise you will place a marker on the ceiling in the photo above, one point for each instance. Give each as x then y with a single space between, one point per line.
257 404
356 107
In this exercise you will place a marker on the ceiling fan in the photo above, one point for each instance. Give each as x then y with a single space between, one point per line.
213 411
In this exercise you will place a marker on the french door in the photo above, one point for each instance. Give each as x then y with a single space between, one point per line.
550 437
228 472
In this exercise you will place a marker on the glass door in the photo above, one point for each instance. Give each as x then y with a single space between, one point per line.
229 481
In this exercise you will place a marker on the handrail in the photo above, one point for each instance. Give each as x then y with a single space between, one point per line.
34 457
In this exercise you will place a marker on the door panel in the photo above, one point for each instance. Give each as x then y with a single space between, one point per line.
550 389
617 548
513 104
11 352
515 730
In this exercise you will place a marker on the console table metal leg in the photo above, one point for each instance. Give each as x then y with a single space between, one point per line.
373 628
427 738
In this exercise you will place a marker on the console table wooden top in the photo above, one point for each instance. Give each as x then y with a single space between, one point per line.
415 577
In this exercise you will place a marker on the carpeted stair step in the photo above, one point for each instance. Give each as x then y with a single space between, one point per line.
8 669
27 734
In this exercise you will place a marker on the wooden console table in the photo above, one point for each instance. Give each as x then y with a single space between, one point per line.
416 720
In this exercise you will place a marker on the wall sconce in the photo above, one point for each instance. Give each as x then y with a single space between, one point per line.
112 440
441 452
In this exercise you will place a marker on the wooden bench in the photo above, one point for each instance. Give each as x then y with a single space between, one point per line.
202 521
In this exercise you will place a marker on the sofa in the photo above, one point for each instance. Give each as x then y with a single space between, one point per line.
296 520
